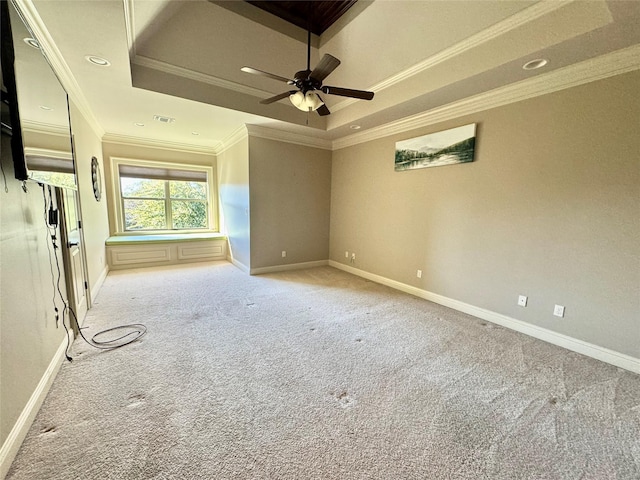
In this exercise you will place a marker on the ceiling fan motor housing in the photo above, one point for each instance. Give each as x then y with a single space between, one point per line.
305 82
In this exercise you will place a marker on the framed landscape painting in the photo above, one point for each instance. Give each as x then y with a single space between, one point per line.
436 149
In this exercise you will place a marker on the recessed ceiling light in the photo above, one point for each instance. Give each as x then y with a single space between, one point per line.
354 127
101 62
195 133
534 64
44 107
138 124
32 42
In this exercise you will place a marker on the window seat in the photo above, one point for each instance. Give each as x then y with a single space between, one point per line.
162 238
134 251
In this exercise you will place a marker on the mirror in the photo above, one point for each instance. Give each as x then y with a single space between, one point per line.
44 113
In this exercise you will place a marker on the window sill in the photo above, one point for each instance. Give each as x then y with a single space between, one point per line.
163 238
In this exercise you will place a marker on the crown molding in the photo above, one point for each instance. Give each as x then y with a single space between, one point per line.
31 17
47 152
45 128
259 131
198 76
615 63
160 144
289 137
511 23
130 29
234 138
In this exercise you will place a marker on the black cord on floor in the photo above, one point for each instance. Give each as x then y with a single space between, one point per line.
137 329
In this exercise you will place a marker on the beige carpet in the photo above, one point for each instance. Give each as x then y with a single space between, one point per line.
318 374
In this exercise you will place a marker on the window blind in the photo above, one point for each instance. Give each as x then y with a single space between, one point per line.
156 173
49 164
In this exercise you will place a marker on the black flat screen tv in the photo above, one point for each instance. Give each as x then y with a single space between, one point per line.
11 122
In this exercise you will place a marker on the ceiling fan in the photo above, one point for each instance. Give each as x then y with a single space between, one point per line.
309 83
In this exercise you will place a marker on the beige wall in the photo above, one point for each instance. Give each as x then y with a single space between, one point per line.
290 202
233 191
549 209
94 213
140 152
29 337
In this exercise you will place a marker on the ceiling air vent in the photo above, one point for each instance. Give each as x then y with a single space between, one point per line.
163 119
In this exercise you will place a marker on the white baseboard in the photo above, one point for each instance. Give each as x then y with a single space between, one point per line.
594 351
98 285
20 429
289 266
238 264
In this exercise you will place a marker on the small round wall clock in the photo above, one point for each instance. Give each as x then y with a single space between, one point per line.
96 178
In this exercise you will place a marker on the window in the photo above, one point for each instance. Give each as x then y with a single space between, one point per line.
161 197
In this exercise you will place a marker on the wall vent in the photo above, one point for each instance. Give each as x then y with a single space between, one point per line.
163 119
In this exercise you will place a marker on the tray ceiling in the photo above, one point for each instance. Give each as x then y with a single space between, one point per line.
183 59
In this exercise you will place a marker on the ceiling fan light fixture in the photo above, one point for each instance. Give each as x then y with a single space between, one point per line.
306 102
297 99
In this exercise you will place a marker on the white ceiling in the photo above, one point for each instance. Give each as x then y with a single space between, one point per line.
182 59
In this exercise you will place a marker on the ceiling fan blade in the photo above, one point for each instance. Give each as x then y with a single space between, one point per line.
323 110
267 101
327 64
255 71
348 92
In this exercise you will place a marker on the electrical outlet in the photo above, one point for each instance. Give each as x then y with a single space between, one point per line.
346 254
284 253
419 274
522 300
558 311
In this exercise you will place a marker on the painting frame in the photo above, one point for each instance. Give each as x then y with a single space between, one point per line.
446 147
